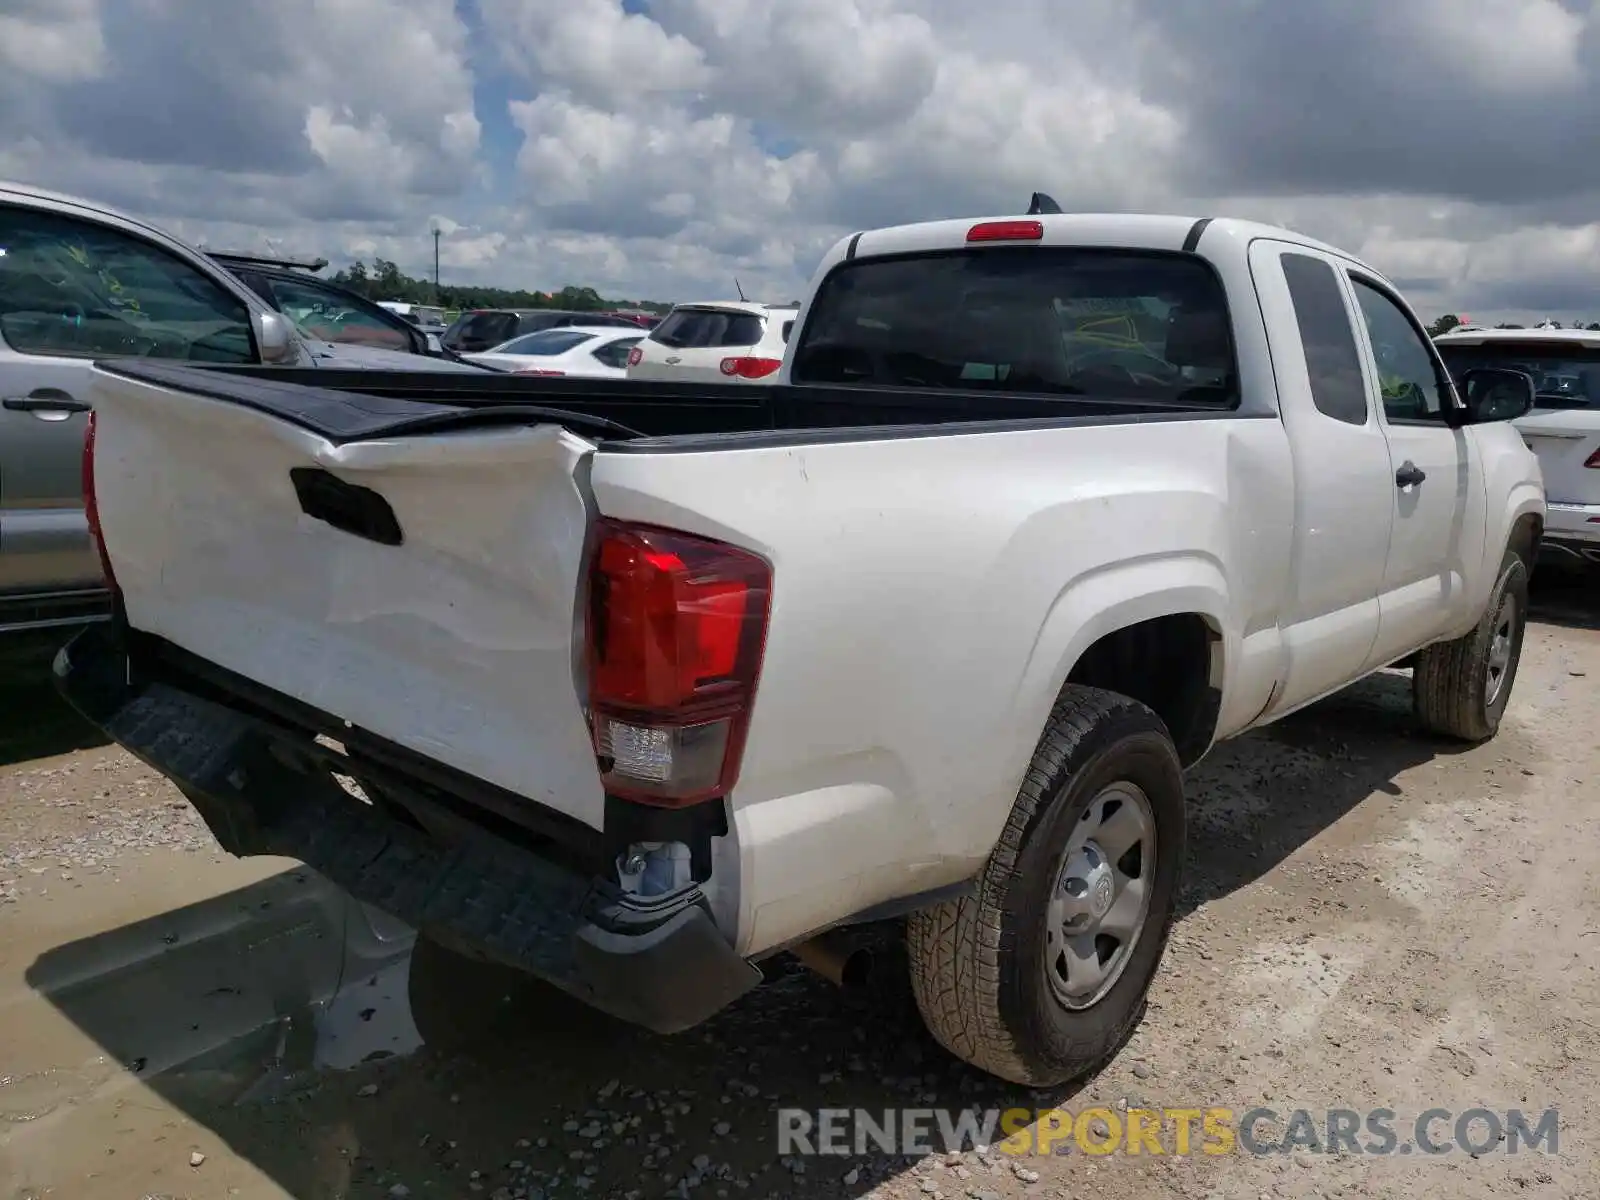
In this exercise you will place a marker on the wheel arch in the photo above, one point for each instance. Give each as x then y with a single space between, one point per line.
1155 630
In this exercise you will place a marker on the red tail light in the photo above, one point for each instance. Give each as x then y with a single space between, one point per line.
674 637
635 356
1593 461
91 504
542 371
750 368
1006 231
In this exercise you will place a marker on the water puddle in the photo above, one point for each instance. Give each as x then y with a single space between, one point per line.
238 999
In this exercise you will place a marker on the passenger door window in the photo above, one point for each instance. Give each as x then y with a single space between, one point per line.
1411 383
80 290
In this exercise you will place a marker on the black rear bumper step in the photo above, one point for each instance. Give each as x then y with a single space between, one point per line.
46 610
664 967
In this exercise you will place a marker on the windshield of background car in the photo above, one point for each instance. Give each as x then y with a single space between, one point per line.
484 328
1565 375
1067 321
545 343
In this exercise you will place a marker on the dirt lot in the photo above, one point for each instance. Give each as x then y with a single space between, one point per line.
1371 920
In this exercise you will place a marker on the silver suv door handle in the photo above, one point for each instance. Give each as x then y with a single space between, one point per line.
48 404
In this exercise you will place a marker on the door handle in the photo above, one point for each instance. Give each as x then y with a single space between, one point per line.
43 401
1409 474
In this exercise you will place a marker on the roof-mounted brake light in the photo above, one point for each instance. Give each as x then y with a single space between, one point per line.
1006 231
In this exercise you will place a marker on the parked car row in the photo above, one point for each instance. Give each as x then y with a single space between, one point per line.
578 351
489 328
718 341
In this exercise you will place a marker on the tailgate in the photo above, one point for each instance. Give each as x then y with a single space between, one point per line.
1567 442
457 639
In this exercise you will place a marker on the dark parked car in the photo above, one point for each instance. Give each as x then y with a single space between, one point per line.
485 328
325 310
644 320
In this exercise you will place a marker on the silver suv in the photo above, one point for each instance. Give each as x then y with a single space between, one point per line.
80 282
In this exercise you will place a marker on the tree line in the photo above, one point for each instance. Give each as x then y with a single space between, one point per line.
1449 321
386 281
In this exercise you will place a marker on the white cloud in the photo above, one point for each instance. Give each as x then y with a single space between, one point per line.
58 41
594 50
664 151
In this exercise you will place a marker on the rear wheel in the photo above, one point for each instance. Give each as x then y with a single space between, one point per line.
1041 973
1461 688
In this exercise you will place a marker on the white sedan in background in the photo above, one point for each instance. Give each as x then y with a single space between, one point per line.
576 351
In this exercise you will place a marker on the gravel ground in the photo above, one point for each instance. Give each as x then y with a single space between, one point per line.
1370 919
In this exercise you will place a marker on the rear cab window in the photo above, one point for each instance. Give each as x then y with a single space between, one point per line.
1067 321
1566 374
703 328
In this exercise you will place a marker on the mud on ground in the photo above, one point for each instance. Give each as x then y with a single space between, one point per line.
1371 919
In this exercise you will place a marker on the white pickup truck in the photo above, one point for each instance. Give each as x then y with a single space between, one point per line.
643 683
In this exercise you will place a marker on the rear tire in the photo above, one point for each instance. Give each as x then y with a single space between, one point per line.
994 973
1460 689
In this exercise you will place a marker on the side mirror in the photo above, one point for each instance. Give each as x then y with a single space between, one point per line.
434 345
276 339
1494 394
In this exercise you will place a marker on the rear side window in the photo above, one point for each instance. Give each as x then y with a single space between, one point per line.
1069 321
615 354
697 328
1332 360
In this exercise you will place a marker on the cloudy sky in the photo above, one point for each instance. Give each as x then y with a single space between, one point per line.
658 148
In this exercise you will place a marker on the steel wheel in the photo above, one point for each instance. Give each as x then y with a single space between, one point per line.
1502 640
1101 898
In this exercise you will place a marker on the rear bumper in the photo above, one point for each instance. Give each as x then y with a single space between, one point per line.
266 788
1572 533
50 610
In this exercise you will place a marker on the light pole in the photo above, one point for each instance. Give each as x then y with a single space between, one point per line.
436 232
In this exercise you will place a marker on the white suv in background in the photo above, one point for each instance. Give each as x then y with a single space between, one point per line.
733 341
1563 429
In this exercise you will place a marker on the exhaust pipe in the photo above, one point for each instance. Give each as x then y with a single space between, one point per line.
836 959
